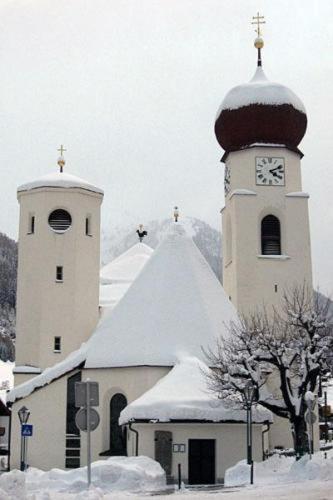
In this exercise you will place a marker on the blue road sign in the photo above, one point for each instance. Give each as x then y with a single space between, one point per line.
26 430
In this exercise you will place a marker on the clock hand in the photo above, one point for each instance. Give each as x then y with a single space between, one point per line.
276 168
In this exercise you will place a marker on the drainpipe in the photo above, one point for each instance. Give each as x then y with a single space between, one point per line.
263 440
136 438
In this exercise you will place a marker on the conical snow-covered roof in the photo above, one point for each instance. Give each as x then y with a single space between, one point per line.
175 306
117 276
126 267
59 180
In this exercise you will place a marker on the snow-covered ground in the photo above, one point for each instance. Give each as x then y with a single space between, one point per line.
121 478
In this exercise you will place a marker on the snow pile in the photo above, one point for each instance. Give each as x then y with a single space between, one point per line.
279 469
134 474
183 394
260 91
59 180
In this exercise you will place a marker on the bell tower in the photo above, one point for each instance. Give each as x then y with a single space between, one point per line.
265 223
58 269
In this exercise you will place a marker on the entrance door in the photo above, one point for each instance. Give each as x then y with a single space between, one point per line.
163 450
201 461
118 441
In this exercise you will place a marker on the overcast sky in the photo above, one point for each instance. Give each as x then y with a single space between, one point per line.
131 88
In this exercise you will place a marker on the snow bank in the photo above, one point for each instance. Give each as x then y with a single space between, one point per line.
130 474
279 469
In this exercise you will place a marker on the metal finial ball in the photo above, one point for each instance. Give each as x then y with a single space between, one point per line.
259 43
61 161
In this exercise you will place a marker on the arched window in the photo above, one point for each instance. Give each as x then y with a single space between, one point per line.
118 436
270 236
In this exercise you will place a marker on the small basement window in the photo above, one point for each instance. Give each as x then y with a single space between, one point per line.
59 273
60 220
57 344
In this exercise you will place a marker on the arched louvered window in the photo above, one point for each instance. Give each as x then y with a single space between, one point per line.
60 220
118 436
270 236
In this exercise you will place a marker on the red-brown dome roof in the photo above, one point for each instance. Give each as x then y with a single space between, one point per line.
260 112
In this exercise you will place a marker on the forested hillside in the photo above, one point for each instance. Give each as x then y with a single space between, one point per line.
8 271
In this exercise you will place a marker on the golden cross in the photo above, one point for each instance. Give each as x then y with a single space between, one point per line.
61 149
258 20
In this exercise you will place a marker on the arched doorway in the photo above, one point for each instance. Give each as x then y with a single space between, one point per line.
118 436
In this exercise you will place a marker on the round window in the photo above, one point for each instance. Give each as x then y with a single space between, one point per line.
60 220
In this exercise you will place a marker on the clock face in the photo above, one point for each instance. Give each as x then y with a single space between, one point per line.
226 180
269 171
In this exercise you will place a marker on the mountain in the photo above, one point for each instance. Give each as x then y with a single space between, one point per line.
8 272
207 239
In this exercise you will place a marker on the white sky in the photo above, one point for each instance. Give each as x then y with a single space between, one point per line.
131 88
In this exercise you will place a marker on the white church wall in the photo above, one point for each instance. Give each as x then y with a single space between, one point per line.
132 382
68 309
46 448
230 443
249 278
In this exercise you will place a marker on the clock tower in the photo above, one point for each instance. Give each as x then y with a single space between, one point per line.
265 223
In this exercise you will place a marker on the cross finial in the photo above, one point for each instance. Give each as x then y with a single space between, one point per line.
61 159
259 42
61 149
258 20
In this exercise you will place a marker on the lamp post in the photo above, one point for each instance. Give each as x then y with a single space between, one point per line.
248 398
23 415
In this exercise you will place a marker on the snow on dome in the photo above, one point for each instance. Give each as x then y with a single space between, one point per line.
183 394
175 305
260 111
259 90
59 180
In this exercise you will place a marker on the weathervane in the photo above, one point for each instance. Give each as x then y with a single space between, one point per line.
61 159
259 42
141 232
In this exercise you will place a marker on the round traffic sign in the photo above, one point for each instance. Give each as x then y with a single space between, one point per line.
81 419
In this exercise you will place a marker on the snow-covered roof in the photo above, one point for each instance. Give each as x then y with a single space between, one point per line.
176 305
183 394
117 276
260 90
126 267
59 180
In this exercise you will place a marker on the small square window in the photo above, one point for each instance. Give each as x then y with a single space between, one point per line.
57 344
59 273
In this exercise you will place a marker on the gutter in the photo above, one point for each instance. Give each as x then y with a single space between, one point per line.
136 438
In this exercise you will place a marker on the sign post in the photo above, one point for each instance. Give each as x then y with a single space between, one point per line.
87 418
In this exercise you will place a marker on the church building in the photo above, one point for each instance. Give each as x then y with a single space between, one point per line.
140 326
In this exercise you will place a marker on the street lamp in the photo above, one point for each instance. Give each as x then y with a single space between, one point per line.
248 399
23 415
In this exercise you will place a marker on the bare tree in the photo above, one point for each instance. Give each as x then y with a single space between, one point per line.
283 353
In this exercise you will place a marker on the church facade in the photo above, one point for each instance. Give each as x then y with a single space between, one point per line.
146 348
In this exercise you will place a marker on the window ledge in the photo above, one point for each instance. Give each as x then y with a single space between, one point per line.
59 281
274 257
57 352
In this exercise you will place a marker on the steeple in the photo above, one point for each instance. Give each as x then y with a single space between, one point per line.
258 42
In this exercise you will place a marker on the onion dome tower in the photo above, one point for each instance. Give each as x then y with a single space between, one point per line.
260 111
58 268
265 226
